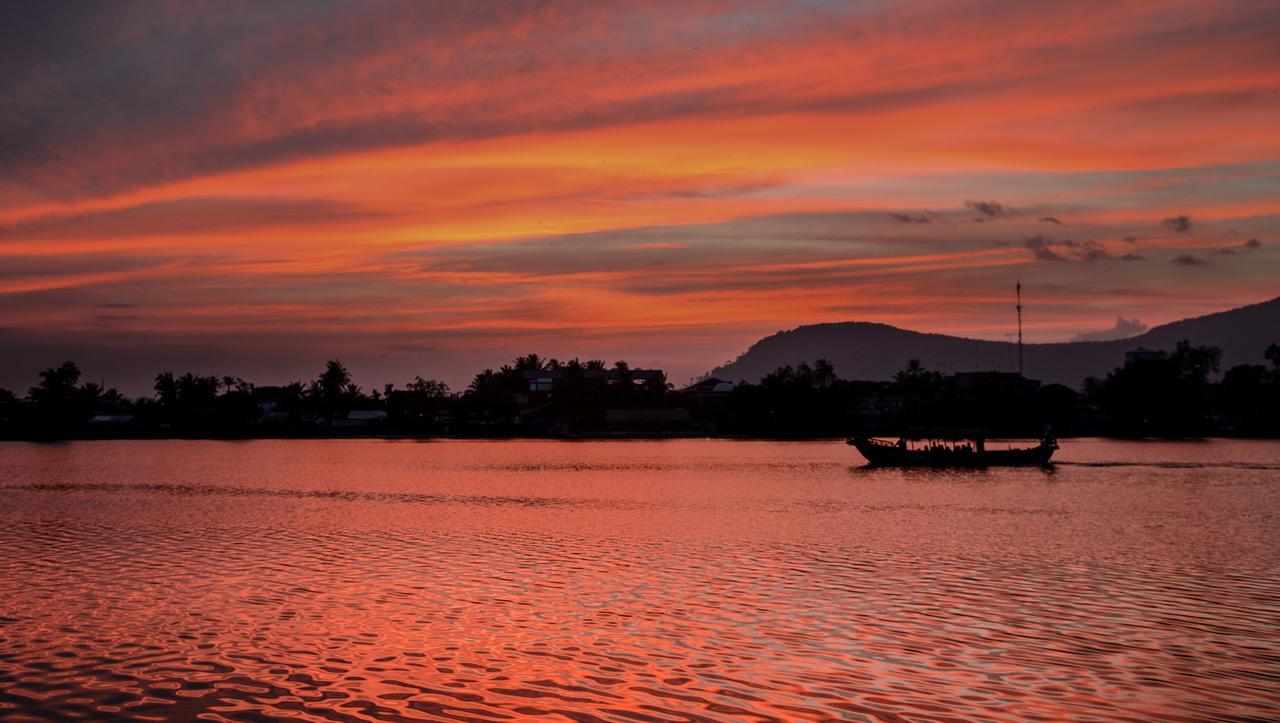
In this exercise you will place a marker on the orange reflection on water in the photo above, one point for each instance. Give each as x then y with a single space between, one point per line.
682 580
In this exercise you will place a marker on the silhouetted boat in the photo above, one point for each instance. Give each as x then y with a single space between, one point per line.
953 454
956 448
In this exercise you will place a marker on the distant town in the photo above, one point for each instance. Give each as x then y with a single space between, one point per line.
1159 393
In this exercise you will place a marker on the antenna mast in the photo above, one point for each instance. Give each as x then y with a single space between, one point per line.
1019 292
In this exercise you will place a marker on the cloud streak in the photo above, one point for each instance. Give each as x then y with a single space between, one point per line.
185 216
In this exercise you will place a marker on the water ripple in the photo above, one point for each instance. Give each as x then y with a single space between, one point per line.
835 597
333 495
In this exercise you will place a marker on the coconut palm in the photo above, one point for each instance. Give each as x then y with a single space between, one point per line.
824 373
333 381
530 363
166 389
57 385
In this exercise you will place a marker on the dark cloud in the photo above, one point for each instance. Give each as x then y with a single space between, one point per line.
1179 224
1133 257
1252 244
1130 239
1040 248
1044 254
1050 219
1188 260
1046 249
988 209
924 217
1092 251
1123 329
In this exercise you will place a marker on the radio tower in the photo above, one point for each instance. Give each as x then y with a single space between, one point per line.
1019 291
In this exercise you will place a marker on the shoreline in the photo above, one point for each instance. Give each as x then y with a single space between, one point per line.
572 438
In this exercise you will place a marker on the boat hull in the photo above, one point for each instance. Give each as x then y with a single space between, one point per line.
882 454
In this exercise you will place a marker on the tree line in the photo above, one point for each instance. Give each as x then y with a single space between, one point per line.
1180 393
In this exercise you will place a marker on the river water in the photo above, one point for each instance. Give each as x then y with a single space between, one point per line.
634 581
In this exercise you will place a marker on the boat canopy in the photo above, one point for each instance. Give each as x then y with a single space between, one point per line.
947 433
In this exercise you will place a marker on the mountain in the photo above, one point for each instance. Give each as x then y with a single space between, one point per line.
862 350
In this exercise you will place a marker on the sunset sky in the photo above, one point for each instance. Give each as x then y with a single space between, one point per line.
432 188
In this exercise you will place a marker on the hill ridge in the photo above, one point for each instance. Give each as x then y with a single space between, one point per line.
874 350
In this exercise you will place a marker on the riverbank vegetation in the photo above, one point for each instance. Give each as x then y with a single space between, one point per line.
1175 394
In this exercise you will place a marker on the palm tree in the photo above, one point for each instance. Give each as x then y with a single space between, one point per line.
166 389
824 373
913 370
57 385
511 378
294 392
781 376
530 363
194 389
429 388
804 374
658 388
89 393
333 381
483 383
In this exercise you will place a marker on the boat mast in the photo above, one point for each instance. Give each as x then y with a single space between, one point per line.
1019 292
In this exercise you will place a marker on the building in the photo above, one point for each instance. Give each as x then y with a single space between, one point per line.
709 388
359 419
546 381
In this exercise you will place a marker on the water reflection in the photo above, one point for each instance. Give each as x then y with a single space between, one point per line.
633 581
